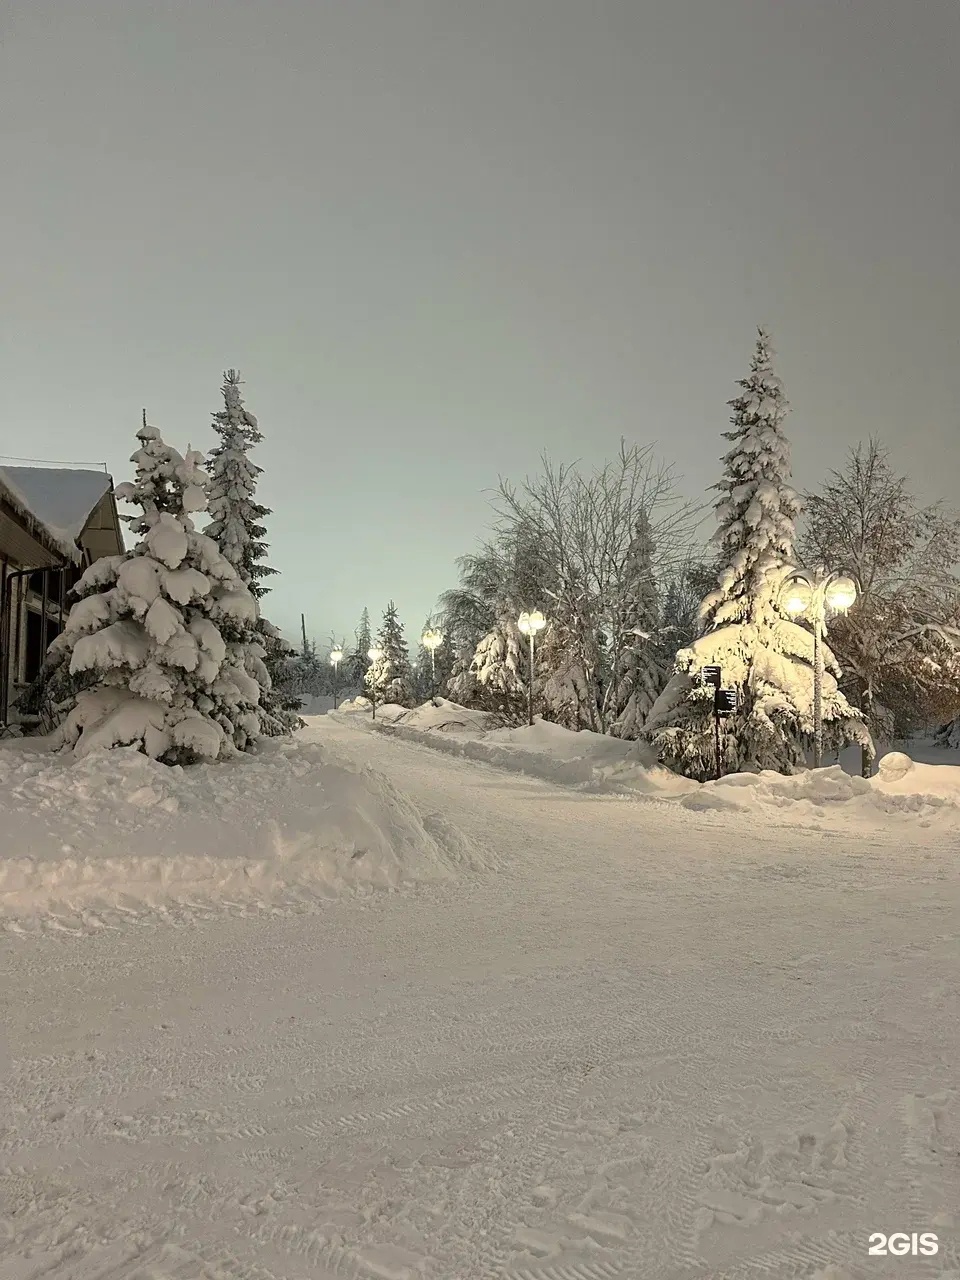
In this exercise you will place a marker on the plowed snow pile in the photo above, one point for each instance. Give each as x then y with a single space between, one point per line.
923 793
900 789
115 832
590 761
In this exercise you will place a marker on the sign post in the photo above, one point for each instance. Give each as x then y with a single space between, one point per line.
724 704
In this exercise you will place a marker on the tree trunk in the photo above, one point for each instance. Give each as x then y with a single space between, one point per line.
866 698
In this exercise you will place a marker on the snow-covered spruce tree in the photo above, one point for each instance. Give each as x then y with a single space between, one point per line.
467 613
761 651
499 665
498 583
637 674
390 676
311 677
680 622
148 628
571 662
423 683
358 662
236 518
236 525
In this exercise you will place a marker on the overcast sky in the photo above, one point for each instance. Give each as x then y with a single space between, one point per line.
439 238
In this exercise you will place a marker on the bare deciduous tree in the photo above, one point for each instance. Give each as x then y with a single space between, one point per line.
899 646
584 529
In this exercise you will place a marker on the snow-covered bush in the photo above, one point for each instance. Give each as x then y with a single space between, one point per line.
148 628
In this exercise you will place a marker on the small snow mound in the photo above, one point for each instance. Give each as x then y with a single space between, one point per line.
359 703
894 766
705 799
117 832
442 716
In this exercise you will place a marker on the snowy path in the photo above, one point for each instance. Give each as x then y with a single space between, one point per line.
651 1044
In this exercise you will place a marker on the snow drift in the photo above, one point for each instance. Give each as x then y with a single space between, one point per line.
106 836
589 761
902 788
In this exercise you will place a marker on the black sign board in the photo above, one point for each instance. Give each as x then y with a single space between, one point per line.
725 702
710 675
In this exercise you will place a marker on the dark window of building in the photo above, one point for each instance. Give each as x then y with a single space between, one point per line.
34 654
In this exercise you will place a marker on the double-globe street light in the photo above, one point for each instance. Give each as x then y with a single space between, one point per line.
336 657
431 641
530 625
374 653
813 594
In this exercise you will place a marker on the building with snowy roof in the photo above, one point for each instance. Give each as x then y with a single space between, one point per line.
54 522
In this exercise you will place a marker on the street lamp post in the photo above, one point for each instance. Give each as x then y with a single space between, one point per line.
530 624
431 640
813 594
336 657
374 653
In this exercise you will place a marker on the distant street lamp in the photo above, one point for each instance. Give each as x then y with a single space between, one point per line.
812 594
374 653
432 640
530 624
336 657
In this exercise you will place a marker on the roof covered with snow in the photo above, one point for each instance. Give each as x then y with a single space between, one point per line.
60 500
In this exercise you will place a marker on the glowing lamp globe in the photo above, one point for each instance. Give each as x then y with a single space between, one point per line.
841 594
797 598
375 653
432 640
531 623
336 656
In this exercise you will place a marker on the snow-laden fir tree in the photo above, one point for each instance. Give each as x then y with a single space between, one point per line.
430 673
761 651
570 662
310 676
680 621
148 628
758 509
358 662
499 583
390 676
421 672
236 518
236 525
637 674
499 667
467 613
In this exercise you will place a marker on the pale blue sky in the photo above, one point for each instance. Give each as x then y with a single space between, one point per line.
438 238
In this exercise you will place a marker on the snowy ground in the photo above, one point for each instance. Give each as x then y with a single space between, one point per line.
589 1035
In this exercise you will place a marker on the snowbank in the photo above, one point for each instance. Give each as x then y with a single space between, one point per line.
901 788
107 836
597 762
443 716
590 761
318 704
